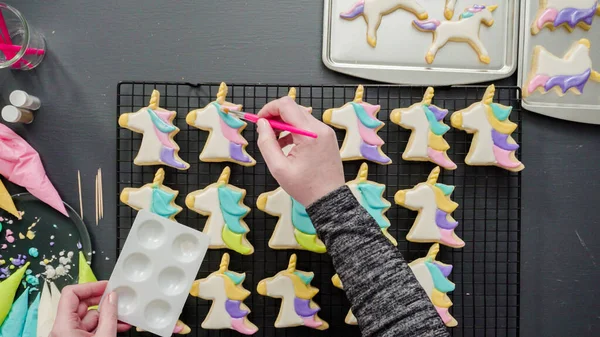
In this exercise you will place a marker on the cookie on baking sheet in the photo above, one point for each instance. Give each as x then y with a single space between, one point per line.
224 288
293 286
156 126
155 197
374 10
492 144
565 13
225 142
466 29
570 73
426 142
358 119
223 203
434 222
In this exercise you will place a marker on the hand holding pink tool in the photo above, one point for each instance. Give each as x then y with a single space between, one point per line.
274 124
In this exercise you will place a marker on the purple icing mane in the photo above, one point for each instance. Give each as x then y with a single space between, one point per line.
355 11
476 8
439 113
441 220
233 309
446 269
573 16
371 152
303 309
566 82
501 141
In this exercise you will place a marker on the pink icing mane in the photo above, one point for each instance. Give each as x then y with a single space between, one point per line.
438 158
165 116
231 134
444 315
311 322
536 82
503 158
448 238
369 136
238 325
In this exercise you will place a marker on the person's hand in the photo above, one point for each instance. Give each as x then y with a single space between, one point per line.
313 168
73 318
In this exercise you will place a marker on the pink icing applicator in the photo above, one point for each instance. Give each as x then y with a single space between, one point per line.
21 164
274 124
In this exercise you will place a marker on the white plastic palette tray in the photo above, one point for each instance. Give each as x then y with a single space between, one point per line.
399 56
583 108
155 272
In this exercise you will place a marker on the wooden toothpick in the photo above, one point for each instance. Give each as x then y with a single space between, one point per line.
80 195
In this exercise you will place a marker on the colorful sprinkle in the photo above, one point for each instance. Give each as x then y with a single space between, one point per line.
51 244
4 246
79 246
54 225
21 236
32 280
34 252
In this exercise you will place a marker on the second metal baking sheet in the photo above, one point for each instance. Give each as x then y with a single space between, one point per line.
399 56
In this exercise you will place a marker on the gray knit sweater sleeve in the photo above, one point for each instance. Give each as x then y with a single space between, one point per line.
386 298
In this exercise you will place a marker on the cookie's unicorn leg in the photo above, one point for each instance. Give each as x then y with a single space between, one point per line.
372 27
449 9
595 75
430 26
481 51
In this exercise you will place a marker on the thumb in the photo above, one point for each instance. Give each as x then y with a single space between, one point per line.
107 326
269 146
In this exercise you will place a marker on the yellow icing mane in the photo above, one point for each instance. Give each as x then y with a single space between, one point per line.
232 291
506 127
303 291
437 143
442 201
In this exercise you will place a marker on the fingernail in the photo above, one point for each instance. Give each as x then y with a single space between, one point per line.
261 125
112 298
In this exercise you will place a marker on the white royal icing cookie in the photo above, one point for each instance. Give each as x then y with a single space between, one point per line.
374 10
426 142
223 204
569 73
227 311
434 222
297 307
156 126
466 29
492 144
565 13
432 276
225 142
361 125
294 229
155 197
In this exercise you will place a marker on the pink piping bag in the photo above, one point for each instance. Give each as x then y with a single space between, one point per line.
21 164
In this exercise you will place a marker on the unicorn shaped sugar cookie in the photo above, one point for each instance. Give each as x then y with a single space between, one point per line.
294 229
224 288
565 13
370 195
225 142
297 307
155 197
492 144
156 126
569 73
434 222
361 125
432 276
374 10
223 204
426 142
466 29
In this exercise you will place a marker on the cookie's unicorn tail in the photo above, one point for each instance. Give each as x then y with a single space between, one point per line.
427 25
595 75
355 11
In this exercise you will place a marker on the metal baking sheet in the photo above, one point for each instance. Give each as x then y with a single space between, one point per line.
583 108
399 56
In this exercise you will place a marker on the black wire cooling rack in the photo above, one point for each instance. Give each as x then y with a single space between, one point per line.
486 270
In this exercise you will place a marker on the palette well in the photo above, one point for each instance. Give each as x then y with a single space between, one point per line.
155 272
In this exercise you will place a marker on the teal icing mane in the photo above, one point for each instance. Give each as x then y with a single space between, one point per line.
235 277
364 117
161 203
300 219
232 211
436 127
306 279
501 113
373 202
466 15
440 282
446 189
231 121
161 125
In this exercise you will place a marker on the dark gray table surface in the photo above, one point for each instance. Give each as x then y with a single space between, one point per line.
92 45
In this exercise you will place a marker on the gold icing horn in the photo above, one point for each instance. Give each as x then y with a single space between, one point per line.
433 251
363 172
224 177
488 97
159 177
222 93
224 263
428 96
292 265
154 100
358 96
433 176
292 93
